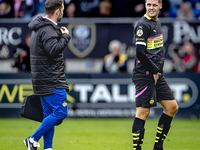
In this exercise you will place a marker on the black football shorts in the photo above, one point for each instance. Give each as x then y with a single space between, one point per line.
147 94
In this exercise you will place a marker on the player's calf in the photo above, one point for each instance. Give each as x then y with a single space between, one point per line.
138 138
161 135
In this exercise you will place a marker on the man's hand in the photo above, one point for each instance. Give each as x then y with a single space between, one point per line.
156 77
64 30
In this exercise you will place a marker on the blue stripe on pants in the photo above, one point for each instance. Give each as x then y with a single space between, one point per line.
54 112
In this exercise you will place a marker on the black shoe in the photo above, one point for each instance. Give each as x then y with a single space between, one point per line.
156 149
31 144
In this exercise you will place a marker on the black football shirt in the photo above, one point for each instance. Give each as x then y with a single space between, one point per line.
148 33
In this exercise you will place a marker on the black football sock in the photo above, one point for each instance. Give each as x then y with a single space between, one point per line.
138 133
162 131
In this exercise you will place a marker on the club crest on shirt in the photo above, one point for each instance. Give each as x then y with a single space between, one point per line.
139 32
83 38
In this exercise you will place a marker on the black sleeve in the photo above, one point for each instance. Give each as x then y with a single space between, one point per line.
142 33
141 55
53 44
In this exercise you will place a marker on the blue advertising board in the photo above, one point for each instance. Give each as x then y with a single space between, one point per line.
102 95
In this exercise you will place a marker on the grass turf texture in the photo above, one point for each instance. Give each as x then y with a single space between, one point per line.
100 134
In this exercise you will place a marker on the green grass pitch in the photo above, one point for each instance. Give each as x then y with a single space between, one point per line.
100 134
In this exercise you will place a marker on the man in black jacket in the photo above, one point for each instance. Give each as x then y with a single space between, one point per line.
47 71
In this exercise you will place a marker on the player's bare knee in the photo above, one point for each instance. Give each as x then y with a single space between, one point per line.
146 114
175 108
171 111
143 114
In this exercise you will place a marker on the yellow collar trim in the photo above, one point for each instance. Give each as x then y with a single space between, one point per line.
149 18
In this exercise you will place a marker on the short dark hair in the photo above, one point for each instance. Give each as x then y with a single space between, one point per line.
52 5
159 1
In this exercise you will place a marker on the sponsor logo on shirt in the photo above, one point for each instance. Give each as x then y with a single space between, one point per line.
155 42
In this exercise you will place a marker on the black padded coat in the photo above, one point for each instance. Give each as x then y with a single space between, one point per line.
46 56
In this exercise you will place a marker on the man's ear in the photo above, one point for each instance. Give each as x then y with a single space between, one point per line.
160 6
57 12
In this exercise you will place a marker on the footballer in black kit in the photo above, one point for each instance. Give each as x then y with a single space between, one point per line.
151 86
149 61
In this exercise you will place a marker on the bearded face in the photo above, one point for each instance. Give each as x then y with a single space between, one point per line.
60 14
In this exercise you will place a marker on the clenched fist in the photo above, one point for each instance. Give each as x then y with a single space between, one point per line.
64 30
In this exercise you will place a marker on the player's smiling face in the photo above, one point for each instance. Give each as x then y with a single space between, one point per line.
152 8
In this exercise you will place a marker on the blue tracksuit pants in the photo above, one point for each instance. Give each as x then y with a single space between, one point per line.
54 110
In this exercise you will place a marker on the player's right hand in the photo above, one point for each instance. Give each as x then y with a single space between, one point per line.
156 77
64 30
